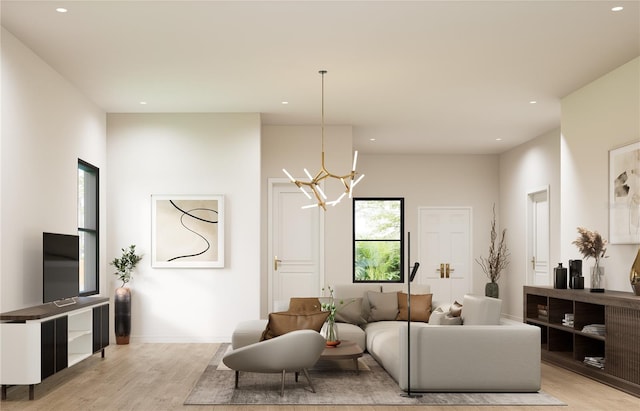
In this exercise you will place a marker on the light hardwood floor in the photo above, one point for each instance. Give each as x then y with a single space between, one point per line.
158 377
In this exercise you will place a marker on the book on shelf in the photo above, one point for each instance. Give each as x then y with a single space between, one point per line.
597 362
597 329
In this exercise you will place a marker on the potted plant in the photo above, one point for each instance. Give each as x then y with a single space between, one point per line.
592 245
122 300
497 260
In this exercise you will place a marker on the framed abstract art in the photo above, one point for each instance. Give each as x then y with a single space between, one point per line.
187 231
624 194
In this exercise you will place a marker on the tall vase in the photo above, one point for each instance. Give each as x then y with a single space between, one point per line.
122 303
634 275
597 278
331 333
492 290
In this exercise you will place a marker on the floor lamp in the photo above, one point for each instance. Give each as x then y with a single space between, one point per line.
414 271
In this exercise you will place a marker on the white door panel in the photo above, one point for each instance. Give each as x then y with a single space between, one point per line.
295 245
444 241
538 267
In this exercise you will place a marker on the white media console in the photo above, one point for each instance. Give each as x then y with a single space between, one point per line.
39 341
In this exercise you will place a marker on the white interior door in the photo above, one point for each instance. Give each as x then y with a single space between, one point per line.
444 251
538 267
295 244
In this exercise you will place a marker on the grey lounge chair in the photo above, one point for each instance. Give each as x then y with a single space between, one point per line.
292 352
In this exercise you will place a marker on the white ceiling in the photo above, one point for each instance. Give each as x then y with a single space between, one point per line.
418 76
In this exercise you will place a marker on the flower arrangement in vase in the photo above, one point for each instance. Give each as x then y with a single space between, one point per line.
592 245
497 260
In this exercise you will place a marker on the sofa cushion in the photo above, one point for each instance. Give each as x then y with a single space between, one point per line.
284 322
456 309
420 307
350 311
304 305
442 315
383 306
347 291
480 310
415 288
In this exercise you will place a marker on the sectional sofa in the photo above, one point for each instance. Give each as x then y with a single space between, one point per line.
483 354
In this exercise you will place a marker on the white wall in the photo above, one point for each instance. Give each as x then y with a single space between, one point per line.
296 148
603 115
530 166
438 180
186 154
46 126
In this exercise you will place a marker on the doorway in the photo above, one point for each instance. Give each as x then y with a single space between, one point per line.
538 267
295 246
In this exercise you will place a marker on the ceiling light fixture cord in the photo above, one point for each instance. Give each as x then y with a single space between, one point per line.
347 180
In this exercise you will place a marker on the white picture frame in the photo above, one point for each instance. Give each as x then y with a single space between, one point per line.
187 231
624 194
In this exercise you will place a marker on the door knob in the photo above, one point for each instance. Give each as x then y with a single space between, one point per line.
275 262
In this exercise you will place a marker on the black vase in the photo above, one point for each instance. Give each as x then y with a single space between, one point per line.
560 277
575 270
122 303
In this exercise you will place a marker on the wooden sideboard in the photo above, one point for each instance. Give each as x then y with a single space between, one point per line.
568 344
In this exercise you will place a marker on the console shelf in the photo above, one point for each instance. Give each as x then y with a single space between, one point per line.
39 341
602 341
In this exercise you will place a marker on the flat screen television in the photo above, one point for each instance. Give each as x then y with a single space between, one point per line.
60 266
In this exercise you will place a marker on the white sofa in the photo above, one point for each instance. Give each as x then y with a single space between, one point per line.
485 354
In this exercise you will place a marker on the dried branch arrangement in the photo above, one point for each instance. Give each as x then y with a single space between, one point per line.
498 258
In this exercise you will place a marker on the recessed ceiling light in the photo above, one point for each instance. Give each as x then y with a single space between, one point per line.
617 8
533 102
285 102
143 102
61 10
498 139
372 139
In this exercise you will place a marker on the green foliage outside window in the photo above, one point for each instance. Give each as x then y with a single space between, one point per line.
378 245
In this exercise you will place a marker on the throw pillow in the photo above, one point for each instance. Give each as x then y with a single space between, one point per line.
448 319
420 307
436 316
350 311
456 309
304 305
384 306
284 322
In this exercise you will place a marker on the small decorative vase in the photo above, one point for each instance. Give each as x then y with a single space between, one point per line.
122 310
331 334
492 290
597 278
634 275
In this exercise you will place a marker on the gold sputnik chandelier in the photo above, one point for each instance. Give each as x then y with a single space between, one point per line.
348 180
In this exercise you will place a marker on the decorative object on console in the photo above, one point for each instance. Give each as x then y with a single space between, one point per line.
634 274
592 245
624 194
187 231
347 180
559 277
122 299
497 260
576 280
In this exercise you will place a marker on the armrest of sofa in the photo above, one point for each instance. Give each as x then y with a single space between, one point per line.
501 358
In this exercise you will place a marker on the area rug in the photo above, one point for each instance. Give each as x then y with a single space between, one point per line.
339 385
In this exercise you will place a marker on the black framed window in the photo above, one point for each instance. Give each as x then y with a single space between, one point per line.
88 227
378 240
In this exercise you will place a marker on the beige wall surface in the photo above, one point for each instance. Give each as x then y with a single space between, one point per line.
601 116
187 154
46 126
527 168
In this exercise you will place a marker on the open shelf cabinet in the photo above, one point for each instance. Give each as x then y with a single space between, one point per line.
606 350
